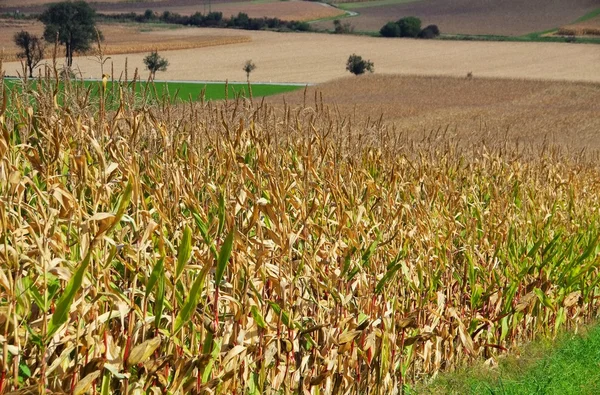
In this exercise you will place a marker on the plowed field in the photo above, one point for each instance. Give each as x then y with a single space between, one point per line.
495 17
285 10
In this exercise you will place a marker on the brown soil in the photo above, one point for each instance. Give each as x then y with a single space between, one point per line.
469 110
495 17
285 10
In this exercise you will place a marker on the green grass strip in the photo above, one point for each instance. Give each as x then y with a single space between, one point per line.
570 365
183 90
369 4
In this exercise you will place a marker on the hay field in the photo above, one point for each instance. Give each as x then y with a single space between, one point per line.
494 111
498 17
128 38
590 27
315 58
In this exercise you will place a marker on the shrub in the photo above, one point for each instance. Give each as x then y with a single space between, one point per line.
149 15
342 28
434 29
390 29
409 26
241 20
430 31
357 65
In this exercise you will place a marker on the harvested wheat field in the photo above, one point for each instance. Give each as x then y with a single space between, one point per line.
315 58
500 17
590 27
467 111
129 38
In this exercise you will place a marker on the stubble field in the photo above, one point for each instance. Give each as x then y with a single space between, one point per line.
315 58
588 27
496 112
127 38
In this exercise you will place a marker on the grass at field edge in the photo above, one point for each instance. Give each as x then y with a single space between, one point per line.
568 365
184 91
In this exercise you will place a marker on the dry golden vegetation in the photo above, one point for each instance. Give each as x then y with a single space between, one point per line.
526 112
590 27
128 38
233 247
312 57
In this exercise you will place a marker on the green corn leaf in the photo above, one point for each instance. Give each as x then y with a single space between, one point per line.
386 278
285 317
221 213
224 256
123 203
156 272
258 318
204 232
185 314
213 357
185 251
160 299
61 313
105 389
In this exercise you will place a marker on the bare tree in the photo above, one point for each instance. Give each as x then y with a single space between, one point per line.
32 49
249 67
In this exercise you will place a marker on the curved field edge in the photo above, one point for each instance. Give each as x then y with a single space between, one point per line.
567 365
232 247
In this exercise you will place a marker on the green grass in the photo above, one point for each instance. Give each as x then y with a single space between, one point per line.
531 37
216 91
589 15
368 4
185 90
570 365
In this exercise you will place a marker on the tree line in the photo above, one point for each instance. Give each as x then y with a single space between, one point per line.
212 19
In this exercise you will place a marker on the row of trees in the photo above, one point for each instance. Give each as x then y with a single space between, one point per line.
213 19
409 27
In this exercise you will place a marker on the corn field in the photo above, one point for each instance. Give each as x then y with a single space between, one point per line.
234 248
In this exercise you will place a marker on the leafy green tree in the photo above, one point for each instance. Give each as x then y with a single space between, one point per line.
357 65
32 49
248 68
154 62
409 26
390 29
73 23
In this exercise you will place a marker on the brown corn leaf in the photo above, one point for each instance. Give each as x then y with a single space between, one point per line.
85 384
141 352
